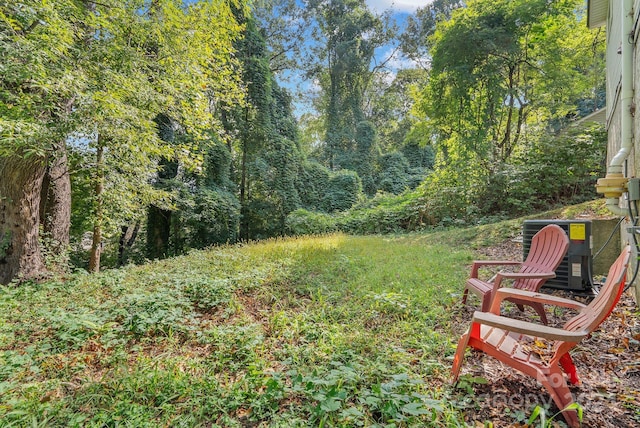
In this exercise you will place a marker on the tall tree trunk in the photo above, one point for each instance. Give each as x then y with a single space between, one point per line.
128 235
96 243
20 185
55 202
158 232
159 219
244 211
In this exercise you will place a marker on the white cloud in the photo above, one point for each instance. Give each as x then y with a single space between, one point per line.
397 5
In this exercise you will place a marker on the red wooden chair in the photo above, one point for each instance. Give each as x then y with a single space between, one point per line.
548 248
510 340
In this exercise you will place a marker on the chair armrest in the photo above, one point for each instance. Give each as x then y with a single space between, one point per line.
497 283
530 296
529 328
477 264
531 275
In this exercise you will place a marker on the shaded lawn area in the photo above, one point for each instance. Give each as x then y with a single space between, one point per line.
319 331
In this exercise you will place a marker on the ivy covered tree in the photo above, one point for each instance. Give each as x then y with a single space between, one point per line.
207 205
366 155
159 213
263 136
346 35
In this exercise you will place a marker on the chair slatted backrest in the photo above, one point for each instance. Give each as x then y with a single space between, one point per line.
548 248
603 304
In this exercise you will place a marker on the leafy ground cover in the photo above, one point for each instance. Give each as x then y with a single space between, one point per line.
329 330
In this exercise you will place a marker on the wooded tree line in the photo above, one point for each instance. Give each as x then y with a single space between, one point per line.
144 128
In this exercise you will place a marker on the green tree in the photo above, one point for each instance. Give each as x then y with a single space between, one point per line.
37 88
208 209
101 72
415 40
390 104
347 35
264 142
158 214
283 27
344 189
366 154
167 62
502 71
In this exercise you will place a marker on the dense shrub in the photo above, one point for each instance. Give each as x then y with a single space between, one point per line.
303 222
394 174
322 190
384 213
206 216
550 171
344 189
366 154
313 179
560 170
418 155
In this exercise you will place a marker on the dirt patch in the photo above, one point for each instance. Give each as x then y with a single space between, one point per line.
508 250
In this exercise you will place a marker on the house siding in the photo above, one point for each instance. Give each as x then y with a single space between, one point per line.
615 38
613 58
597 15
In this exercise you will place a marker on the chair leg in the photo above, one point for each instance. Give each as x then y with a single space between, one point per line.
539 308
566 362
571 416
486 301
459 357
465 293
557 387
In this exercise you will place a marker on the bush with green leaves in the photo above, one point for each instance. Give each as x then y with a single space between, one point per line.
206 216
559 170
385 213
343 191
313 180
417 153
303 222
366 153
394 173
552 170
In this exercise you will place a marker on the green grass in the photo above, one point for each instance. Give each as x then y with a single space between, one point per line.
318 331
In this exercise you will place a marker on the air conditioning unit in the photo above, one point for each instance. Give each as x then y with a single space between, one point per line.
574 272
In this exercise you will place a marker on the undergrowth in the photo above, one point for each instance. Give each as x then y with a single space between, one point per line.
329 330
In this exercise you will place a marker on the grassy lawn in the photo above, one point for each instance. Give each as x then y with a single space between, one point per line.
319 331
333 331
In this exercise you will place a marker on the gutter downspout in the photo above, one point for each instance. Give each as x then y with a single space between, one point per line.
615 184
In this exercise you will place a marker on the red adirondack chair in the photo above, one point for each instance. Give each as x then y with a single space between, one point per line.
510 340
548 248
